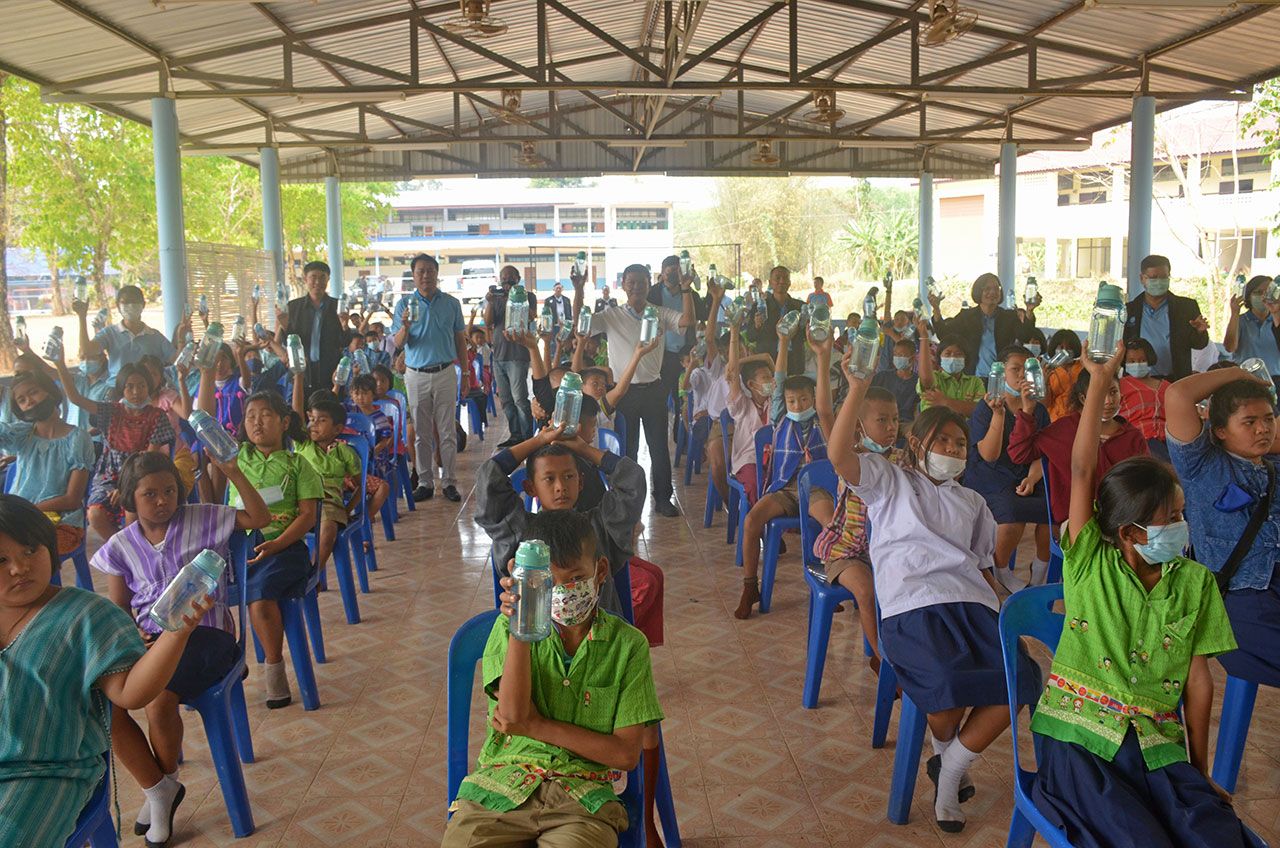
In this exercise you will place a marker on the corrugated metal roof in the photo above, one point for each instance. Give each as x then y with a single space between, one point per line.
121 46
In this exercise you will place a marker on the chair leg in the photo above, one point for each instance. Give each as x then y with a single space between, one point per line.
311 615
296 632
388 513
713 503
731 524
84 577
886 689
664 802
367 560
240 722
821 610
404 482
1233 730
1021 832
906 761
226 762
738 554
688 463
346 583
769 564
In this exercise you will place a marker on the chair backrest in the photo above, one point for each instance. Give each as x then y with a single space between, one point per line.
10 476
726 423
1048 502
1027 613
402 399
392 411
363 425
517 482
823 475
764 438
465 650
362 446
609 440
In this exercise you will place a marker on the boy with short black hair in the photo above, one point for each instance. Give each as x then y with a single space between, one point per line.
901 382
334 460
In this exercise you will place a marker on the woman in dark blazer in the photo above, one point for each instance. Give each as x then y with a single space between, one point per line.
987 325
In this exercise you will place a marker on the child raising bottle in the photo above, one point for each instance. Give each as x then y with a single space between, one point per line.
1141 622
65 654
932 542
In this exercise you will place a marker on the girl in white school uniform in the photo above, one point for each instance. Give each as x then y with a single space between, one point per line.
932 545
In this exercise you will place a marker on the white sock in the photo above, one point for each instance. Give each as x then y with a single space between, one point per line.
939 746
1039 571
955 765
277 681
160 799
144 815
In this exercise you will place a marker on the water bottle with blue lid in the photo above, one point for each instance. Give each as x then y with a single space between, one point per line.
197 579
568 403
217 442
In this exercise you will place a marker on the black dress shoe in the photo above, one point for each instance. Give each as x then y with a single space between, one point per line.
450 493
422 493
666 508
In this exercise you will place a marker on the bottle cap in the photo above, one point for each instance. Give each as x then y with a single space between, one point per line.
1033 364
1109 295
571 381
997 368
869 327
215 329
533 553
210 563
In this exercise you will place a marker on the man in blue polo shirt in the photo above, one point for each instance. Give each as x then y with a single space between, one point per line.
128 341
432 344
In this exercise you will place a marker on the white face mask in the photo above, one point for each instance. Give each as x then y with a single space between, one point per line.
131 311
942 467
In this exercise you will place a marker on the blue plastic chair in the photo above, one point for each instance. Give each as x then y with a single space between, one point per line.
773 530
474 410
363 425
1055 546
403 486
906 754
1028 613
692 447
94 826
609 440
1233 729
226 718
737 505
349 544
517 482
389 409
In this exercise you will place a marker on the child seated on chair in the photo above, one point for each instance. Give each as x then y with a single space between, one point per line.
800 436
140 561
750 405
67 655
1115 764
842 545
576 704
292 490
338 466
382 457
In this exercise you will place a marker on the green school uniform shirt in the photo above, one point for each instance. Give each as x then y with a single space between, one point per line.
609 684
1125 652
284 479
334 466
955 386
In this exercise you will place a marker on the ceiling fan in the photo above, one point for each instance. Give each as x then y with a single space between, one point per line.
529 156
948 20
509 111
475 21
824 111
764 154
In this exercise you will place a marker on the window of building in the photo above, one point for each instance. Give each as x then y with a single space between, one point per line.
1093 257
476 214
1081 188
1234 251
642 219
1239 186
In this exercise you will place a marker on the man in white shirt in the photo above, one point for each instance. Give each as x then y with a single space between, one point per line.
646 401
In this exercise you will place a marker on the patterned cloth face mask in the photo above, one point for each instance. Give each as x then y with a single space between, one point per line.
572 603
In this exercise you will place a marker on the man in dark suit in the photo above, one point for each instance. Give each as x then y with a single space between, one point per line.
1170 323
314 319
763 330
561 308
986 329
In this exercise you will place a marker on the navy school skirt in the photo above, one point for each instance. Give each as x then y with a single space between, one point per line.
1008 507
1255 619
284 575
208 657
1120 804
948 655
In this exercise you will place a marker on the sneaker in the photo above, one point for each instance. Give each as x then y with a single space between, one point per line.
666 508
451 494
1009 580
422 493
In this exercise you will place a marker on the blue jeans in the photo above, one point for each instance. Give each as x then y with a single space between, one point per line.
513 390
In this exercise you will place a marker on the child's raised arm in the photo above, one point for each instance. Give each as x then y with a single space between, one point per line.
844 435
246 376
70 389
925 356
1084 453
299 389
205 399
1180 399
822 391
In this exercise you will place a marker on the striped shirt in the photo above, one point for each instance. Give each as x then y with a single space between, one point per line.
147 569
1143 406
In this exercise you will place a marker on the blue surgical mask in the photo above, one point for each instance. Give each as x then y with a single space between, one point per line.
873 446
1164 542
1034 348
952 364
92 367
902 363
801 417
1256 301
1157 286
133 406
1137 369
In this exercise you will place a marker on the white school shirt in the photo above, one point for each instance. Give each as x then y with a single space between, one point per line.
928 543
710 388
622 327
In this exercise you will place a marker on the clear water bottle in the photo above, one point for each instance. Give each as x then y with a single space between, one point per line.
1273 291
686 263
649 325
762 301
1035 376
995 381
344 303
412 310
564 333
1060 358
82 290
1032 293
53 345
568 403
196 579
282 297
869 305
532 575
203 307
256 296
580 264
865 343
342 373
187 357
297 356
788 323
584 322
261 331
736 312
101 320
887 279
207 353
517 310
240 331
931 285
360 362
917 306
20 328
713 276
1107 323
819 322
1241 284
546 320
218 443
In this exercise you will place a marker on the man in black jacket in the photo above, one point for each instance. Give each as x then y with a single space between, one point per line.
314 319
1170 323
986 329
763 331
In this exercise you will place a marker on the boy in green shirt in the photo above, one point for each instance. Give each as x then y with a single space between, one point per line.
335 461
946 384
567 715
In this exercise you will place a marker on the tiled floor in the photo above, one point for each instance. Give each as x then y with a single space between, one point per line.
750 767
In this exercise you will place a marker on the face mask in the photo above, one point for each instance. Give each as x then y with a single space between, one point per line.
766 388
1164 542
133 406
1256 301
131 311
902 363
572 604
1137 369
942 467
1034 348
952 364
1158 286
91 367
873 446
39 412
801 417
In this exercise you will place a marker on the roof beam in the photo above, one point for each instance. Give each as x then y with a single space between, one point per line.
755 22
606 37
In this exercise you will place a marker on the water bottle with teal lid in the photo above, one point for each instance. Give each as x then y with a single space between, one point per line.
219 444
187 357
207 353
532 575
546 320
517 310
297 356
240 331
686 263
865 349
584 322
342 373
1107 323
995 381
568 403
1035 376
196 579
580 264
819 321
649 325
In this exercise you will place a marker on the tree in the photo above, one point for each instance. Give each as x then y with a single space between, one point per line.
882 233
364 206
221 201
560 182
1263 118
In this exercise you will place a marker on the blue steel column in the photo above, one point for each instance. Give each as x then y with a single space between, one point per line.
272 226
170 230
1141 173
333 218
1007 250
925 221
